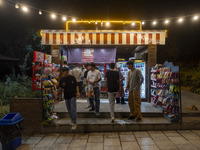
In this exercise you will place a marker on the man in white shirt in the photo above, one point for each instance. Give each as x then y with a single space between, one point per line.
93 78
76 72
134 82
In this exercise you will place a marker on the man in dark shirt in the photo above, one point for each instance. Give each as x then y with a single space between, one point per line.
71 90
112 85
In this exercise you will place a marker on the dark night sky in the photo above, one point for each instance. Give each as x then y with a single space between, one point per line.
14 21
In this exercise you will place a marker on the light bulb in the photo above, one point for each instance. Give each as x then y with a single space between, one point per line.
166 21
74 20
40 12
196 17
24 8
53 16
107 23
89 22
64 18
16 6
180 20
133 23
143 22
154 22
96 22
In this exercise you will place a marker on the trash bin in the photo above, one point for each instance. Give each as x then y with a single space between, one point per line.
11 127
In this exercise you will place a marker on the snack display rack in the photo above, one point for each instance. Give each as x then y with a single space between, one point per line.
165 90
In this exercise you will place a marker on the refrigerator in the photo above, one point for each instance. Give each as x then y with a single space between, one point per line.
139 64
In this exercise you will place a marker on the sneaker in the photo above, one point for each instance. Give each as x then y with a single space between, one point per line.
92 109
112 120
74 127
87 107
131 117
97 113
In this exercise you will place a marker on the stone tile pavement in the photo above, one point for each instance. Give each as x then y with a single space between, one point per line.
146 140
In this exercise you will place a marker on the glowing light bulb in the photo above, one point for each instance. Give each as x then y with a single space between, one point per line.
53 16
64 18
96 23
166 21
74 20
101 23
24 8
89 22
133 23
107 23
16 6
154 22
143 22
40 12
180 20
196 17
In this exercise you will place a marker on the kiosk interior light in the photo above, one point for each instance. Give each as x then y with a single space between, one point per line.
53 16
16 6
196 17
40 12
64 18
107 23
24 8
74 20
133 23
180 20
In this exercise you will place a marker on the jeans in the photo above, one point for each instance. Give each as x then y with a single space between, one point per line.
111 97
71 107
96 98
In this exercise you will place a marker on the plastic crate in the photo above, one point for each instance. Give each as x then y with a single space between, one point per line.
11 118
12 145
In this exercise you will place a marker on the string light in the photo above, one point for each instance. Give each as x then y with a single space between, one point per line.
154 22
53 16
40 12
64 18
16 6
166 21
107 23
25 9
133 23
96 22
74 19
195 17
180 20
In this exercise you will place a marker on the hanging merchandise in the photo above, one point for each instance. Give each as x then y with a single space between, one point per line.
165 90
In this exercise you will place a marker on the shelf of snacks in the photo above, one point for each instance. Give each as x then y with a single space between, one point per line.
165 90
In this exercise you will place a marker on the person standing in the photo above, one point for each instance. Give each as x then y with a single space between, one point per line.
71 90
112 86
134 82
120 93
87 66
76 72
93 78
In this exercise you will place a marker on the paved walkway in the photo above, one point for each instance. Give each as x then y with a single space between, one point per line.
152 140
